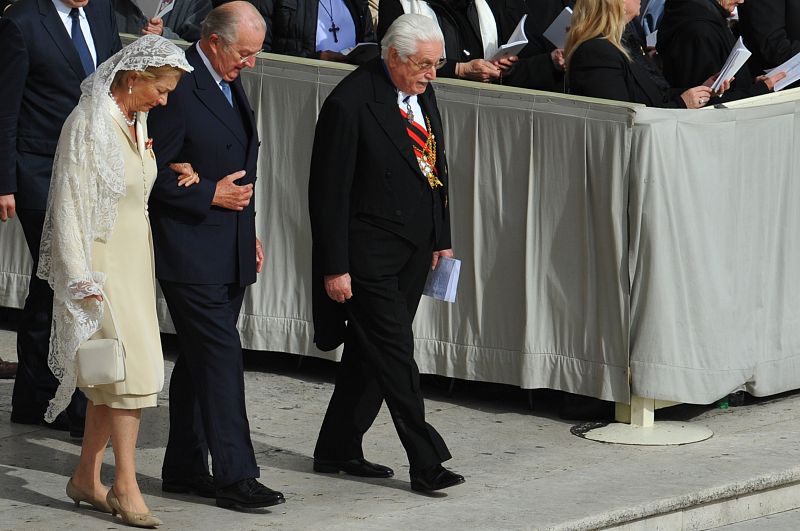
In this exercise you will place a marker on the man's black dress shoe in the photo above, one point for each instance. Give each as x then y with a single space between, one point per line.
247 493
203 486
434 478
355 467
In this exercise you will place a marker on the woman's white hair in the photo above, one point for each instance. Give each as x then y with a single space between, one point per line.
407 31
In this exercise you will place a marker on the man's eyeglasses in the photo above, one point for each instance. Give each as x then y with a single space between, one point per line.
243 60
423 67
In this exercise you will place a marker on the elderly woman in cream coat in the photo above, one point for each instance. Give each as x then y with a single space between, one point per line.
96 249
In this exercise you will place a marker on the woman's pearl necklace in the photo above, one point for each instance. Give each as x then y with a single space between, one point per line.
130 122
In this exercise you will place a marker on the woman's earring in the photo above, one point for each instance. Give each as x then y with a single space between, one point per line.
130 89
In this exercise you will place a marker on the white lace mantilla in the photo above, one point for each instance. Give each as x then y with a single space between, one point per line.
87 182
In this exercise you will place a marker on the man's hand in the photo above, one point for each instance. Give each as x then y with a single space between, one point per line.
154 26
8 207
438 254
478 70
230 195
505 63
338 287
259 256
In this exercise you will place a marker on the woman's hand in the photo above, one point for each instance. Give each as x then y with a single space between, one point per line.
186 174
557 57
478 70
98 298
771 79
696 97
723 87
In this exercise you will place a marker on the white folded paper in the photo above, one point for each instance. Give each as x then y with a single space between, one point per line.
736 60
792 70
346 51
557 31
443 281
164 7
154 8
515 43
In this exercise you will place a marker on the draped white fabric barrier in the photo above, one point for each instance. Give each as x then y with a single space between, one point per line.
555 252
714 219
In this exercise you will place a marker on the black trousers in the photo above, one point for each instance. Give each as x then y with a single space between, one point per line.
206 392
388 274
35 384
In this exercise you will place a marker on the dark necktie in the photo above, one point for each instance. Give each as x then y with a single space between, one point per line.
80 42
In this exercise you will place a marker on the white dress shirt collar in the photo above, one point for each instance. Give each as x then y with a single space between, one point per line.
415 106
214 74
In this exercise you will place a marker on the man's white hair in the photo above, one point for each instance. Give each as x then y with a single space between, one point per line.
407 31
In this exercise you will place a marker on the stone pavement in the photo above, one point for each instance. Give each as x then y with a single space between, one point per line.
524 468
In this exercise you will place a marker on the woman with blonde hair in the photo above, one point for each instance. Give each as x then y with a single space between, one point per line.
599 66
97 250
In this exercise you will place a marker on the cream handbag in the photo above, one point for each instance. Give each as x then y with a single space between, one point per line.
101 361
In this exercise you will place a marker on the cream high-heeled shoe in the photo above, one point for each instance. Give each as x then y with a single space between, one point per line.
131 518
79 496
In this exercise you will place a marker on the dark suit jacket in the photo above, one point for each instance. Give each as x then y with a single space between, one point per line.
599 70
196 243
363 167
771 30
41 75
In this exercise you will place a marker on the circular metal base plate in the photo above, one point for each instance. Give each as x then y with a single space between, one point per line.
664 433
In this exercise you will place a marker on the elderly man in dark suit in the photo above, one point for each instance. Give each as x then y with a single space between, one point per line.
206 253
47 47
771 30
380 222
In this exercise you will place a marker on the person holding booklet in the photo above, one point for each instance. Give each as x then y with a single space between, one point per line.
151 17
380 222
694 41
331 30
599 66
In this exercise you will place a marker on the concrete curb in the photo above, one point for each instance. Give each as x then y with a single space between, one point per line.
782 490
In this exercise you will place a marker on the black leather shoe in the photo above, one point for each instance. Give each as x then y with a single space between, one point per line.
434 478
355 467
247 493
203 486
